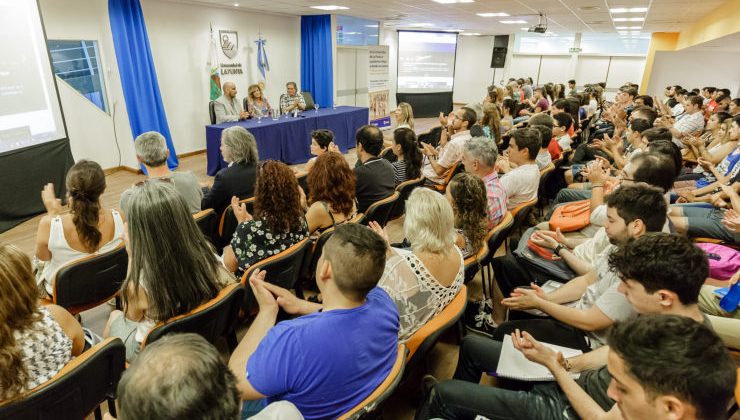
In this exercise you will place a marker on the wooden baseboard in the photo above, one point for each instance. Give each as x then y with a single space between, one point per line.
138 171
193 153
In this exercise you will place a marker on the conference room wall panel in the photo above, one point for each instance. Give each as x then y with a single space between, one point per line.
389 37
690 68
473 73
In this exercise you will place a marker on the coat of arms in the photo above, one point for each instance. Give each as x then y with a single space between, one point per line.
229 43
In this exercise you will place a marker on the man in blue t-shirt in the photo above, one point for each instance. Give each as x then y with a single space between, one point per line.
329 360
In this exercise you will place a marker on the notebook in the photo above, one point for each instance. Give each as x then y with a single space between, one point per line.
512 363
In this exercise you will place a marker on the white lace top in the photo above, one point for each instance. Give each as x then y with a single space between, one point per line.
45 349
418 295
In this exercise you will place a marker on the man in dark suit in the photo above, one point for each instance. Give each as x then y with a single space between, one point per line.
239 149
375 179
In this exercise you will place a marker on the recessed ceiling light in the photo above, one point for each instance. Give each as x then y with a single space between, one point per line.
629 10
420 25
638 19
589 8
509 22
236 4
629 27
597 22
454 30
470 34
524 29
371 26
330 7
499 14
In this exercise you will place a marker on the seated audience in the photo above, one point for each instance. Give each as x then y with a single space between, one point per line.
292 100
404 116
375 175
331 358
227 107
172 267
661 274
179 376
479 158
423 280
278 222
239 149
322 141
467 196
508 108
572 88
331 185
87 229
152 152
691 121
538 103
521 182
544 158
715 143
725 323
408 156
560 130
709 174
491 123
257 104
444 158
37 340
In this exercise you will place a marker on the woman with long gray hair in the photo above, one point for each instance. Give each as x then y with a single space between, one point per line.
172 267
239 149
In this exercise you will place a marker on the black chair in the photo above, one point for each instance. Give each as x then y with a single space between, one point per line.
495 238
213 319
431 137
77 390
212 112
227 224
404 189
380 210
206 221
91 281
520 213
282 269
543 195
308 98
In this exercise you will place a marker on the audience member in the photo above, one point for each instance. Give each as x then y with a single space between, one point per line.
572 88
37 340
404 116
278 221
539 102
521 183
292 100
408 155
479 158
508 109
87 229
468 197
331 186
227 108
325 362
375 175
692 121
180 376
239 149
544 157
257 104
423 280
560 130
322 141
491 123
172 267
152 152
444 158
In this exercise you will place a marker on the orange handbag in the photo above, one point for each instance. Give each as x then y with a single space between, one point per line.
572 216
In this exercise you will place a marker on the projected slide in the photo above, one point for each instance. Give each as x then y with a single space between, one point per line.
426 61
29 108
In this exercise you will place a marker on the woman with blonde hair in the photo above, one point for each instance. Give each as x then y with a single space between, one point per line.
425 279
404 116
257 104
491 122
35 341
87 229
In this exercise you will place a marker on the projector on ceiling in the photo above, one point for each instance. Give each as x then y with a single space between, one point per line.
540 29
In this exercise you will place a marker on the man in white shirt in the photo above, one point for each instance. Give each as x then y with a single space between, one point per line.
521 183
227 107
692 122
449 153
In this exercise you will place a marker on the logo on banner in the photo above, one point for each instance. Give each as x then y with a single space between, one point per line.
229 43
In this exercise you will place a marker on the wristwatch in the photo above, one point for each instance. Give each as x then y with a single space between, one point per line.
557 249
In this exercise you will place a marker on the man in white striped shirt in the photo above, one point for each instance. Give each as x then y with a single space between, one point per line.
692 122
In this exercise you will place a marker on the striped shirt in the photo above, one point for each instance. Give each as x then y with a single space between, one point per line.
399 171
496 199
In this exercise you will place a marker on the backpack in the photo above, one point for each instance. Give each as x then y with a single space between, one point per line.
724 261
541 259
572 216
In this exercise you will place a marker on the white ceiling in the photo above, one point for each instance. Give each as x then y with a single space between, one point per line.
563 15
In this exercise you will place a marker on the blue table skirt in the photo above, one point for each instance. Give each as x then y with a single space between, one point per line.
289 139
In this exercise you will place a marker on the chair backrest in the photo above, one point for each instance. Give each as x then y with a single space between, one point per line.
422 341
404 189
456 169
206 221
380 210
308 98
90 281
497 236
245 103
228 223
382 392
473 262
213 319
521 212
545 175
283 269
78 389
212 112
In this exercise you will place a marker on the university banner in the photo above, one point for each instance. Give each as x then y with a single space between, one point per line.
378 85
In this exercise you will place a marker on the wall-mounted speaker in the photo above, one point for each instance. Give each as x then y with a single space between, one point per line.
500 47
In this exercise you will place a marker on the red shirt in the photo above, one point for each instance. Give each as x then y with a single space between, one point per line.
554 148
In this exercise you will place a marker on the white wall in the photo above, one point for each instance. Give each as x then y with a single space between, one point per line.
473 72
692 69
389 37
179 39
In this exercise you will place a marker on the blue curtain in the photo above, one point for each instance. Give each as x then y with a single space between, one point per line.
138 77
316 63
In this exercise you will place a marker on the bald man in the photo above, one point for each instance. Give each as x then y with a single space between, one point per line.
227 107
